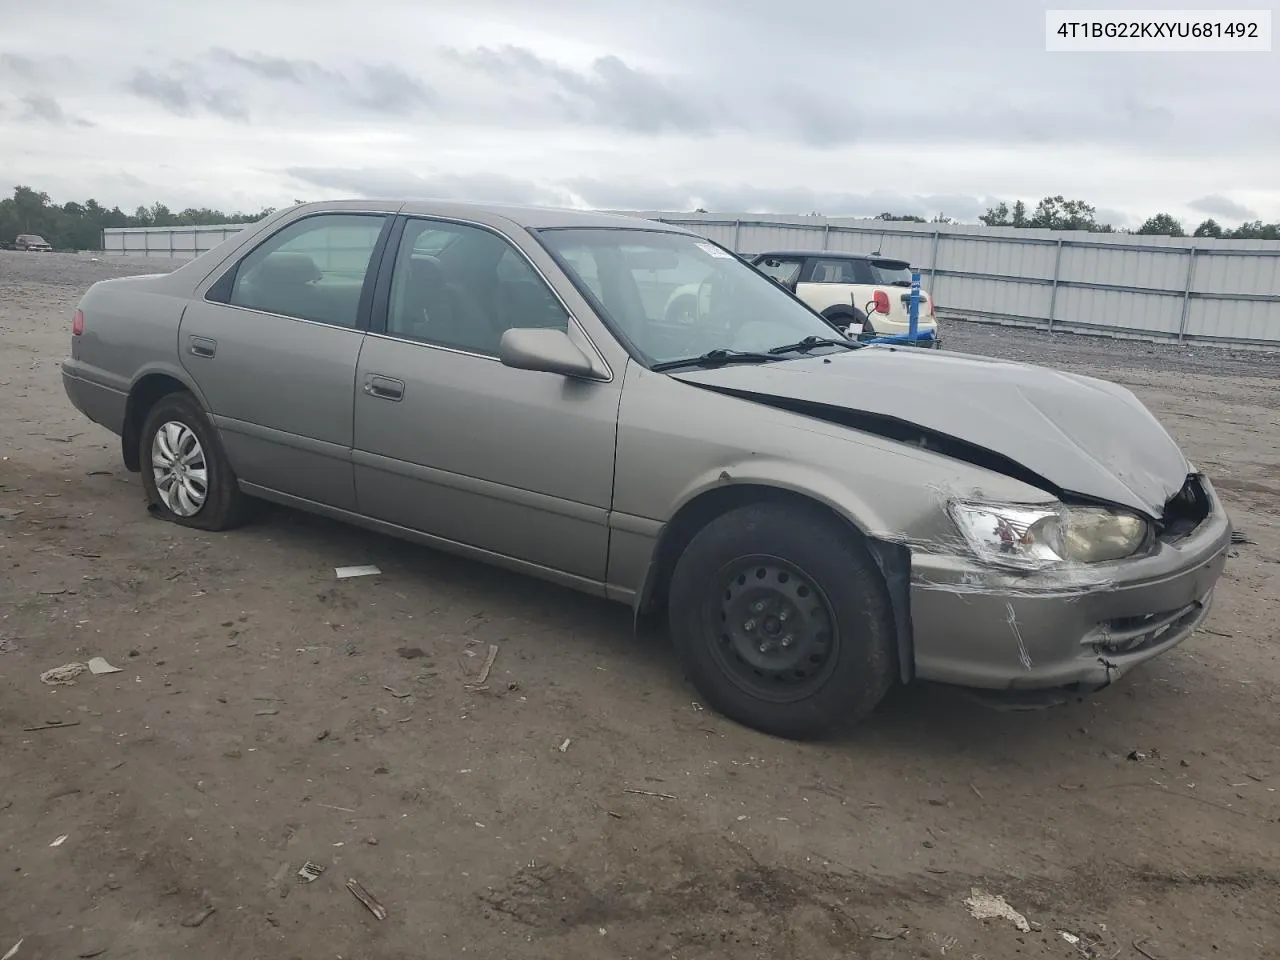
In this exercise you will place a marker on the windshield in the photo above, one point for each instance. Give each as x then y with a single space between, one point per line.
892 273
673 296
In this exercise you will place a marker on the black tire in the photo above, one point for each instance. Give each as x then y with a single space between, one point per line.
223 506
842 317
712 585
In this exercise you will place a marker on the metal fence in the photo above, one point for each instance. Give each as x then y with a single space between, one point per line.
1164 288
181 243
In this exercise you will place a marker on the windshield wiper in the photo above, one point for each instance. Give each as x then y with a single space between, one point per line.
715 358
808 343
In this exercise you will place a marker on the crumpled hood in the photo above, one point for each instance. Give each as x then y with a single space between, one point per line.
1087 436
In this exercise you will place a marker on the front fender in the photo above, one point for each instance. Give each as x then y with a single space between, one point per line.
791 477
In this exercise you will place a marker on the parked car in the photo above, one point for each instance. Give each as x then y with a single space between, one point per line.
816 519
32 242
865 292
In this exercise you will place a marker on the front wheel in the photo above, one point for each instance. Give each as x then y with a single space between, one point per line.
782 620
186 474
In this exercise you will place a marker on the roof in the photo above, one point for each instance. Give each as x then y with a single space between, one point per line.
827 255
530 217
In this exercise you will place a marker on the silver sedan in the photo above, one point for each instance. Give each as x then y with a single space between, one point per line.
817 519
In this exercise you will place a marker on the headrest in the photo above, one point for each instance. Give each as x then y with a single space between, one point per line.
426 271
283 267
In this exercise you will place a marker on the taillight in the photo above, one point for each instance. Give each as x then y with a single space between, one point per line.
77 323
881 301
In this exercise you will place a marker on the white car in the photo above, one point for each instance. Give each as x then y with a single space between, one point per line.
860 293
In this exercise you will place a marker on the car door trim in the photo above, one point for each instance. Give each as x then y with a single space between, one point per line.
386 269
324 448
488 489
585 584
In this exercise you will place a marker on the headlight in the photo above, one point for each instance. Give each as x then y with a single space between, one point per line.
1030 537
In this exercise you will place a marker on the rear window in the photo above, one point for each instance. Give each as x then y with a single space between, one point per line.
895 273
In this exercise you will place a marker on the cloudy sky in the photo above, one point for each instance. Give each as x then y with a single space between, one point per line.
840 106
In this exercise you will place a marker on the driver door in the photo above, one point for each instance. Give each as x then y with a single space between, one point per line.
450 442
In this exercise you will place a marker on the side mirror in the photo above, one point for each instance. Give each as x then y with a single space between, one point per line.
543 350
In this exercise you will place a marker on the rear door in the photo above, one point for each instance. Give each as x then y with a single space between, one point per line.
452 443
273 348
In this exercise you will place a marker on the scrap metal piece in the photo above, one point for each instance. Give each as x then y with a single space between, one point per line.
368 899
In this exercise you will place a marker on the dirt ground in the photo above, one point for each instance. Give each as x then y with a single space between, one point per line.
581 804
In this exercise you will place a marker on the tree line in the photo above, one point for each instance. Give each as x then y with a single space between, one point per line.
1058 213
79 226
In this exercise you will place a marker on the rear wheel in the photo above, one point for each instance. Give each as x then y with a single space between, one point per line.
782 620
185 472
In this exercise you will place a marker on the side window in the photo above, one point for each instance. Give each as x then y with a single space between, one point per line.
313 269
833 271
784 271
464 287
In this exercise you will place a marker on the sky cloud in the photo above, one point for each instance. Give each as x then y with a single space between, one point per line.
1217 205
731 105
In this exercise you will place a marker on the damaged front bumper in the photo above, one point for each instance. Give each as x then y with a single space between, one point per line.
983 628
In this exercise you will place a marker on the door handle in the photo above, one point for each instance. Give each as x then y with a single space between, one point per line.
203 347
384 388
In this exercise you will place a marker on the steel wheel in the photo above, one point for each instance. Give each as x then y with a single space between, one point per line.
777 634
179 468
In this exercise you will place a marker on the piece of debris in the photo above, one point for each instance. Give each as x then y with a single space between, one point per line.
368 899
1239 536
13 951
59 841
486 666
1071 938
411 653
890 935
90 954
199 917
1137 756
987 906
65 674
650 793
99 666
346 573
309 871
398 696
564 746
977 792
1138 945
52 725
322 736
265 713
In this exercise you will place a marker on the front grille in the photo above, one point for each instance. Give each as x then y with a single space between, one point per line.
1185 511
